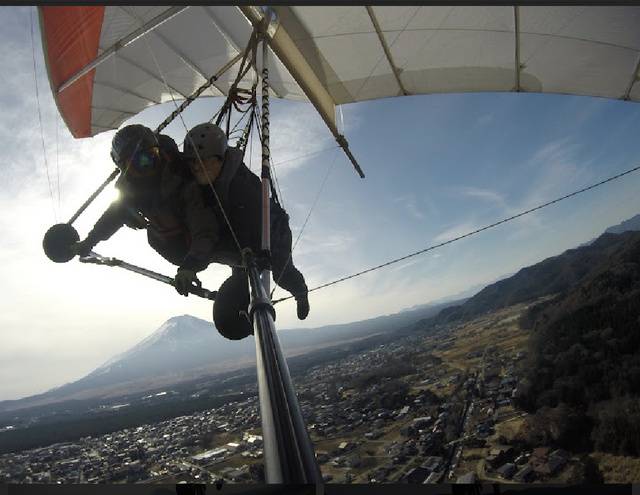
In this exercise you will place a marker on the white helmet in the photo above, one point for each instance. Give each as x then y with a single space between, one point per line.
207 140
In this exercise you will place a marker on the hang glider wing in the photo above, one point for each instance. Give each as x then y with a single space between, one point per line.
106 64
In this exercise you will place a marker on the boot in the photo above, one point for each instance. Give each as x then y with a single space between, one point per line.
302 305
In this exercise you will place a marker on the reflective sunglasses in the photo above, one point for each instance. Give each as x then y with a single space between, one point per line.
143 162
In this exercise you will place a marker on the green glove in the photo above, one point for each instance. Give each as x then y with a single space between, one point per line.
184 281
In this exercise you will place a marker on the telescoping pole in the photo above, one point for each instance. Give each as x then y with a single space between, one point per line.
288 452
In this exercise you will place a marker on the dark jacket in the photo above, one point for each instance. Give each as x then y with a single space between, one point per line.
179 224
240 192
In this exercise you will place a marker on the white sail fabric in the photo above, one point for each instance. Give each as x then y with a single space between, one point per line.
349 54
574 50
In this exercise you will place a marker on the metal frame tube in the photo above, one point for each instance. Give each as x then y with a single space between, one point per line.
288 451
96 259
86 204
121 43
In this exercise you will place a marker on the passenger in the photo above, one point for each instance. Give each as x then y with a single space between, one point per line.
216 165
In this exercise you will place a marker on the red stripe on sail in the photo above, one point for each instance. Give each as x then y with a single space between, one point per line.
71 38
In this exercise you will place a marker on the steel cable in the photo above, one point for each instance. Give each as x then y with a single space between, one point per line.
468 234
44 150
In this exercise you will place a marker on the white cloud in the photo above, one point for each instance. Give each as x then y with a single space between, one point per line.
556 170
552 170
557 150
313 243
455 231
411 206
404 265
482 194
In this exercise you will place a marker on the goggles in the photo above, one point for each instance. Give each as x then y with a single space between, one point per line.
143 163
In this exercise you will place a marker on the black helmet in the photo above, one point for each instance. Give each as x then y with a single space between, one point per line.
168 145
207 139
134 148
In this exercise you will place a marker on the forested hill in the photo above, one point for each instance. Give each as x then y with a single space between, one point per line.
584 357
551 276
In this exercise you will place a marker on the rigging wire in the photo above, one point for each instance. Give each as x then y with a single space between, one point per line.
468 234
235 129
57 120
315 202
215 114
242 71
44 150
240 99
246 132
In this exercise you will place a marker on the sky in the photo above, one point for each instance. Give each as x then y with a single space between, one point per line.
437 166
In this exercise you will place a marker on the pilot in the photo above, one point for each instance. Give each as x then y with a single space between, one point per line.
152 196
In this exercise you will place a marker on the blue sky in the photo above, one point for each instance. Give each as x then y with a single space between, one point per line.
437 166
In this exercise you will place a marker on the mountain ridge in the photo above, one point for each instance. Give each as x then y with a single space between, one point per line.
553 275
185 348
632 223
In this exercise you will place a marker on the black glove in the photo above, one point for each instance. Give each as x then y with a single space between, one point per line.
135 220
184 281
83 248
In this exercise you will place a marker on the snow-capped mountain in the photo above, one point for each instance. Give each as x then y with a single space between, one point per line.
180 344
185 348
176 336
